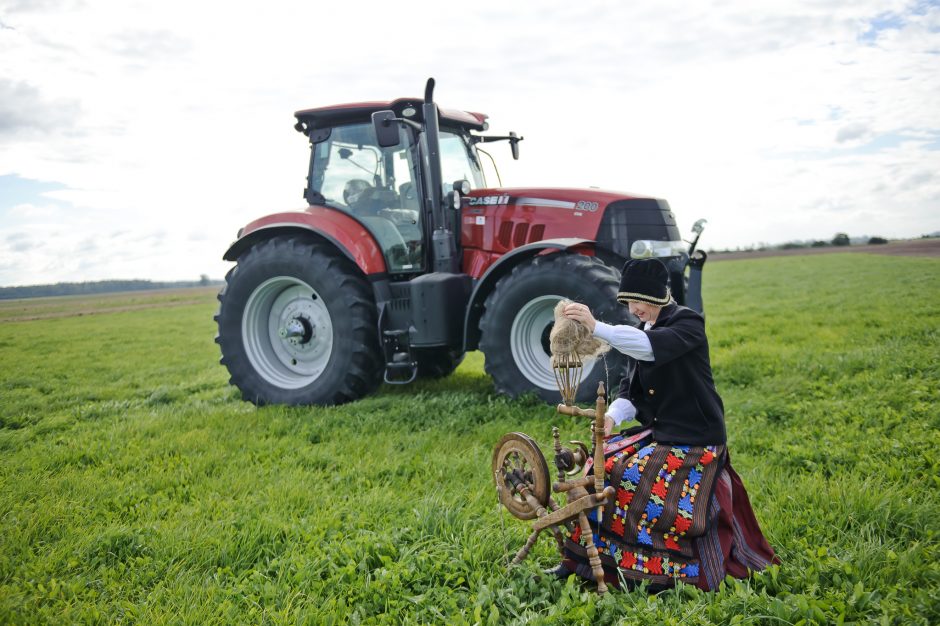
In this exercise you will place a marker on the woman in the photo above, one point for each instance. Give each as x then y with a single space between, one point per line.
680 511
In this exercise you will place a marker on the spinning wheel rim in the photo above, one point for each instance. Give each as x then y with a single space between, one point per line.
519 452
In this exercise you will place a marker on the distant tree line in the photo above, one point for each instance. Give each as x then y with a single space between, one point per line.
839 239
97 287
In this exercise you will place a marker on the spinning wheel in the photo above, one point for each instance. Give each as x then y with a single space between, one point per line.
522 482
520 470
520 467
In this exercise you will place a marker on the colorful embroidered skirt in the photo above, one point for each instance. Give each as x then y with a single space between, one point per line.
679 513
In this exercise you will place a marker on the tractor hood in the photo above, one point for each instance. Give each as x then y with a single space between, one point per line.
577 201
544 196
502 218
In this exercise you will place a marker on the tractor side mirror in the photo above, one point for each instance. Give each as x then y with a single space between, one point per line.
386 128
514 140
697 228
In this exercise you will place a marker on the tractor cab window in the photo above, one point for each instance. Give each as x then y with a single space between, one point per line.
375 184
459 161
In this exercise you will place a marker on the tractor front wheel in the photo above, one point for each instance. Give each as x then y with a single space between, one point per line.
519 315
297 325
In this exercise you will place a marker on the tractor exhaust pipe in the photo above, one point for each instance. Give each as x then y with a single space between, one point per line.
433 138
442 238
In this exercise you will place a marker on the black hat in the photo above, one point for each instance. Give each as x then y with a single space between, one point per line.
644 280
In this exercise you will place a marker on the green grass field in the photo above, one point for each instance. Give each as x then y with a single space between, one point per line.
135 486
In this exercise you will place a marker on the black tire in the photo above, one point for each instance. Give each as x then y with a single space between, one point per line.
297 325
437 362
518 317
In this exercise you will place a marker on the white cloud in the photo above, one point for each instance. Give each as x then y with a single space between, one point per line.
165 118
34 213
852 131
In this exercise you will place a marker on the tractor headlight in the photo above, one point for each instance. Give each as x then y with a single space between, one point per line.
641 249
648 248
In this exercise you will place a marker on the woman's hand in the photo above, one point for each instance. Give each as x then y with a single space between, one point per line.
580 313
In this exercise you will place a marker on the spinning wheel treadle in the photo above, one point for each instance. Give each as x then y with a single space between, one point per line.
517 462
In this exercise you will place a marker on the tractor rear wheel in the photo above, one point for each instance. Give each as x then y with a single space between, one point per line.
297 325
519 315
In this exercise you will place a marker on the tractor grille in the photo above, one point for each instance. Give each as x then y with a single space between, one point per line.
504 237
625 221
401 296
398 308
514 234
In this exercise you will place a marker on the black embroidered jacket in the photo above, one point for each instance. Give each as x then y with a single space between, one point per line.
675 393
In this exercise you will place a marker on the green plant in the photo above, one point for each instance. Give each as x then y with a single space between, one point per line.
138 488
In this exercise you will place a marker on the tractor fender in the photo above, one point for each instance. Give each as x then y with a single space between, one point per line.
346 233
502 267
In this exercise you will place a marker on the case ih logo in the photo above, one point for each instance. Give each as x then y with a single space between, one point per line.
581 205
489 200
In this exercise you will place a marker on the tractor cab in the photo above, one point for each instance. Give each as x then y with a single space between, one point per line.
349 171
385 187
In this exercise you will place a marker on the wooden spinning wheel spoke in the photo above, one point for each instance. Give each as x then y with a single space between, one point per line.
521 473
515 466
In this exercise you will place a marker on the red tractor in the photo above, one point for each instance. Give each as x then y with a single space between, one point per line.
405 259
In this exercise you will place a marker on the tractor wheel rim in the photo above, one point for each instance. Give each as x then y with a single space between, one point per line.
287 332
525 342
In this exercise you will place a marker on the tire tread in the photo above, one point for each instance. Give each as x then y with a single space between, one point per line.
363 374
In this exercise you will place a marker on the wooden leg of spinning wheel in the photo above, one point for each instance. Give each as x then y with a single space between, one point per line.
593 557
560 540
524 551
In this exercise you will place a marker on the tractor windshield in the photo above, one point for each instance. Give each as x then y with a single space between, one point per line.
377 185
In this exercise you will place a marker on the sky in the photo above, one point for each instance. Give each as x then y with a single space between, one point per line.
136 138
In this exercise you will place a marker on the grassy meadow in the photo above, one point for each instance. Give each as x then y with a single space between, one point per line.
136 487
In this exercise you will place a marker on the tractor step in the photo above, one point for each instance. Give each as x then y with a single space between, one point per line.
401 372
400 366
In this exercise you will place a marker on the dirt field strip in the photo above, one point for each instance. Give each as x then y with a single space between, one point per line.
100 311
912 247
53 307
